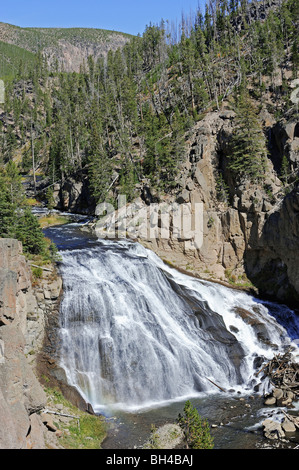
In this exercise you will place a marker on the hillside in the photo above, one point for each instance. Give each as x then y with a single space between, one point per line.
68 46
10 58
207 116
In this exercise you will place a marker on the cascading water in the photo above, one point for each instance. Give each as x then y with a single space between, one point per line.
136 332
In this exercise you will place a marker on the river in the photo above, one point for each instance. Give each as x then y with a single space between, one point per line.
138 338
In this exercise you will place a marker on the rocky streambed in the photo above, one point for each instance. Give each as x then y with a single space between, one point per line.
236 420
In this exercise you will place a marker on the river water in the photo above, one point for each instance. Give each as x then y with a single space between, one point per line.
138 338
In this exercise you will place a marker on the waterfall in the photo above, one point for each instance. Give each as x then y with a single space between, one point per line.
136 332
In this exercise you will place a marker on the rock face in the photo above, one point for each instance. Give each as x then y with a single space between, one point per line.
272 262
72 53
21 395
69 48
74 196
255 11
255 236
29 315
251 235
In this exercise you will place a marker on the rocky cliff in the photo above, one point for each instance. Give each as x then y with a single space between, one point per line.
69 48
29 345
250 239
21 396
26 308
255 236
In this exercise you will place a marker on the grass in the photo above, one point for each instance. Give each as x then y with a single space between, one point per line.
52 219
169 263
89 434
240 281
45 259
83 432
32 202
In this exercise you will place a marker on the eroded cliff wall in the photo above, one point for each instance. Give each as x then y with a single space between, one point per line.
251 239
21 395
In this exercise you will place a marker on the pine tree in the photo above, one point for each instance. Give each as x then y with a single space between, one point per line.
196 429
248 145
222 189
7 208
14 183
17 220
284 170
29 232
99 167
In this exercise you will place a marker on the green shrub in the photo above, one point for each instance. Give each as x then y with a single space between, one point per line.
37 272
195 428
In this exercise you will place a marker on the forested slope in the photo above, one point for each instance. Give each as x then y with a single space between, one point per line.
207 105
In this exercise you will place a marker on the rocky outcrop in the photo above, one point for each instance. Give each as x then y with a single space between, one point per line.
21 396
29 320
47 292
254 11
43 339
74 196
72 54
255 235
272 262
69 48
271 259
250 237
285 142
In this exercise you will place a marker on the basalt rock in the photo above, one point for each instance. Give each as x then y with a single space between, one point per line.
21 395
272 262
249 234
74 196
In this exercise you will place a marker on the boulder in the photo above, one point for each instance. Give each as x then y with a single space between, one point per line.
288 426
278 393
273 429
271 401
47 420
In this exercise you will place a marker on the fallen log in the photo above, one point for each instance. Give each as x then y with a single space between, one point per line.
41 267
222 389
46 411
263 368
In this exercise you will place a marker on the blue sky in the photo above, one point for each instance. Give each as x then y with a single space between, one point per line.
128 16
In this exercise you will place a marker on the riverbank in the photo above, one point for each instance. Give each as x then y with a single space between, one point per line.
236 422
67 427
228 426
132 429
53 219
